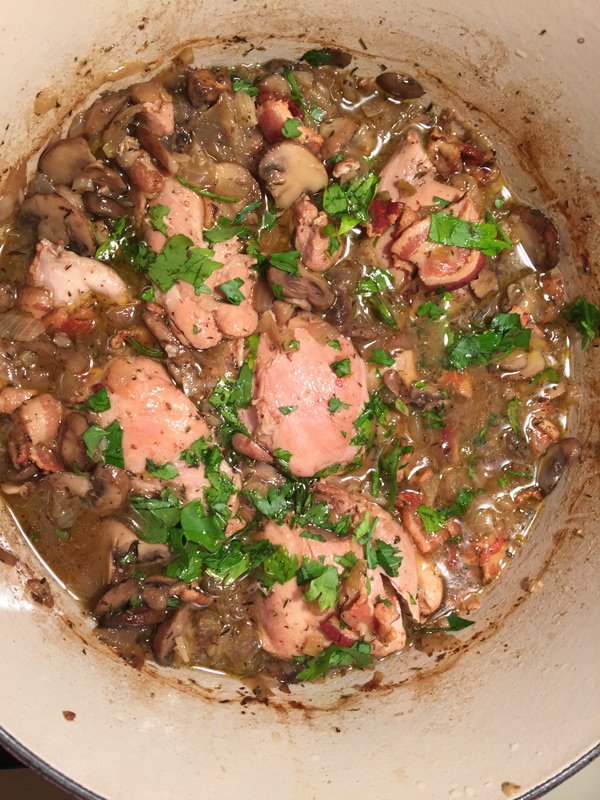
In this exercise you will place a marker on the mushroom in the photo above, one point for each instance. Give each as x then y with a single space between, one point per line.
103 176
290 170
136 618
337 134
400 86
559 455
111 487
71 448
205 86
167 634
157 591
58 220
64 160
230 179
98 205
310 289
153 145
339 58
117 596
521 365
538 236
102 112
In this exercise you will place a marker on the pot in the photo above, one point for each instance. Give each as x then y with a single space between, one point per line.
507 708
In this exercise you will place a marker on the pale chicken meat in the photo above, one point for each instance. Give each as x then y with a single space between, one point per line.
309 239
184 215
71 278
158 421
318 431
203 320
409 177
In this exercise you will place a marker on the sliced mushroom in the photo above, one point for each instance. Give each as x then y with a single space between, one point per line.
58 220
205 86
290 170
102 112
156 593
118 539
71 447
98 205
336 134
312 290
136 618
521 365
111 487
153 145
400 86
558 456
105 177
153 551
233 180
117 596
65 159
167 634
339 58
538 236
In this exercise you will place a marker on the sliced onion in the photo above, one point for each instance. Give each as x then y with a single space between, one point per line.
19 327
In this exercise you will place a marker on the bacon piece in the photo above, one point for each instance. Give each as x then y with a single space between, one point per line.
274 110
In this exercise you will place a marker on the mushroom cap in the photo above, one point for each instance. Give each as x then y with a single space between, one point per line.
290 170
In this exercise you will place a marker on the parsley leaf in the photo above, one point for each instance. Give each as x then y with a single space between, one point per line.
224 231
504 479
389 464
323 582
342 367
584 317
335 404
276 504
550 375
479 439
231 290
291 128
243 85
287 262
359 655
335 344
157 214
165 472
178 260
97 402
381 357
316 58
151 352
505 333
430 309
279 567
457 232
434 417
350 202
285 410
107 441
434 520
205 192
512 412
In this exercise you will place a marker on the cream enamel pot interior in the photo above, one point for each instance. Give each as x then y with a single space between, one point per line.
513 701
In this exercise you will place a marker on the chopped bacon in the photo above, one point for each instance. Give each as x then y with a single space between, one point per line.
383 214
450 155
408 502
459 382
531 493
490 551
273 111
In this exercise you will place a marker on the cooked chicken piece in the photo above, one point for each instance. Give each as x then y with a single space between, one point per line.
318 432
70 277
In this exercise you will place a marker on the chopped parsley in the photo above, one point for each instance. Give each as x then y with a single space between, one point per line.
287 262
504 479
436 519
157 214
359 655
505 333
549 375
316 58
335 404
512 412
243 85
165 472
480 438
341 368
323 583
151 352
206 193
106 443
285 410
431 310
584 317
179 261
434 417
291 128
382 358
335 344
97 402
231 290
457 232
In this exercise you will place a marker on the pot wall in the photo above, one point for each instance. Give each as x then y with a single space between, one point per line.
516 698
